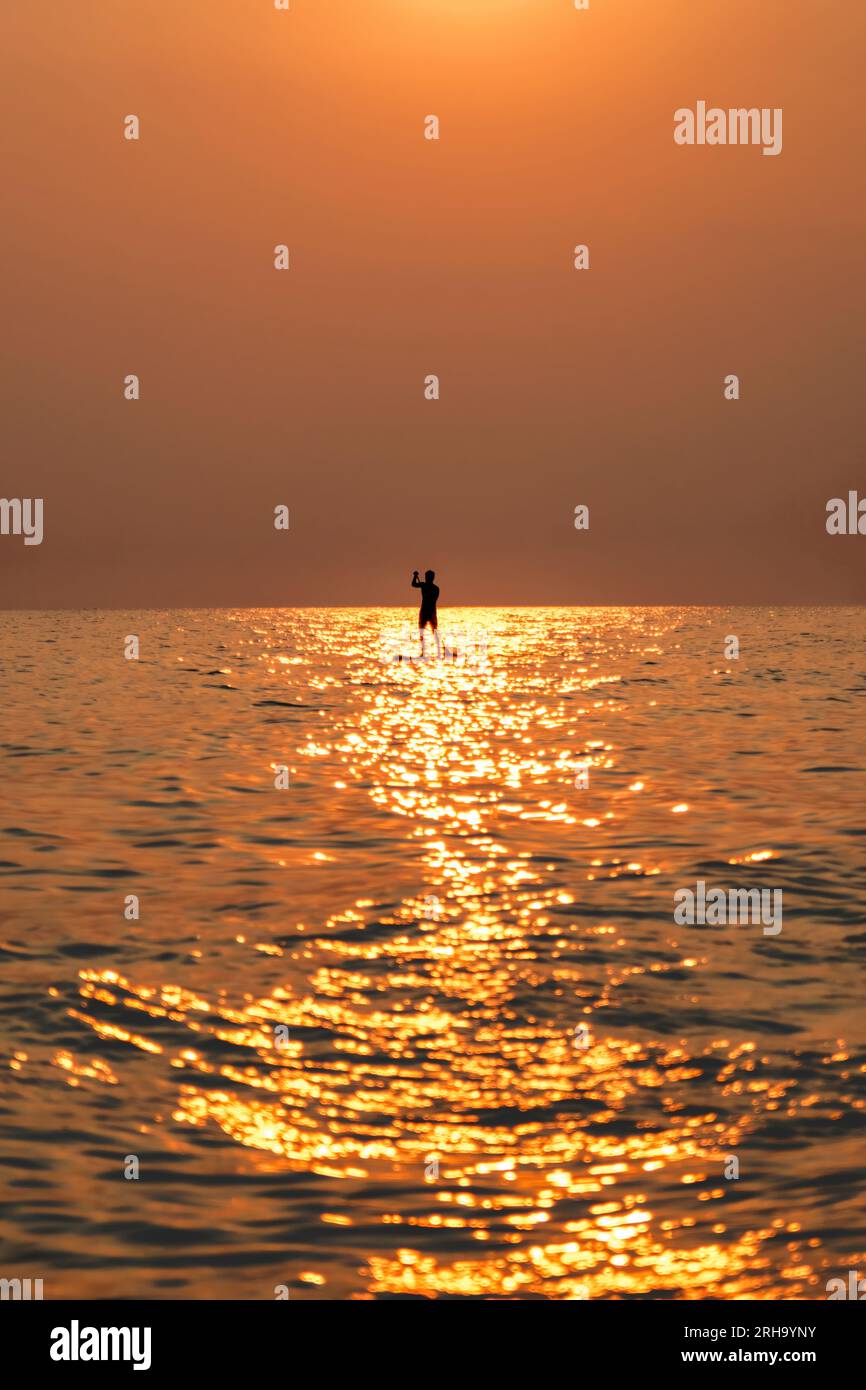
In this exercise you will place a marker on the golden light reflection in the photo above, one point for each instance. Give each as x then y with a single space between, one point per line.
448 1031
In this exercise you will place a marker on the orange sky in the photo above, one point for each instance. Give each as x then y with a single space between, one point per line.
411 257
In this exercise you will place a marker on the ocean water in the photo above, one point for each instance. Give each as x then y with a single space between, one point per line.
421 1022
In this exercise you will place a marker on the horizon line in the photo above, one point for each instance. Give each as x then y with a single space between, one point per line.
360 607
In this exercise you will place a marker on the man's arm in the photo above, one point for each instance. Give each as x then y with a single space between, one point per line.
416 582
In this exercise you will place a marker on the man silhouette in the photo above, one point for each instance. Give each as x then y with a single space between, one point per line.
427 614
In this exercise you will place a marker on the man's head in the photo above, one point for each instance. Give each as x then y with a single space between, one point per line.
429 575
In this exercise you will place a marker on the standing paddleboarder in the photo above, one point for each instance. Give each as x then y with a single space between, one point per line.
427 615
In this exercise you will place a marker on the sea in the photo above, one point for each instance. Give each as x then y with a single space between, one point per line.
329 970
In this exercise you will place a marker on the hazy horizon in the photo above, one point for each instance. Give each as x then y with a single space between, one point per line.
361 607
